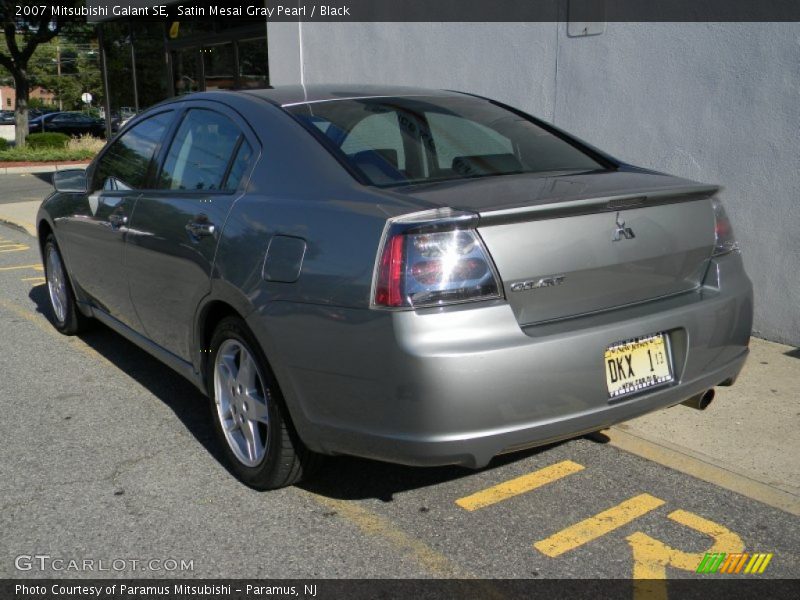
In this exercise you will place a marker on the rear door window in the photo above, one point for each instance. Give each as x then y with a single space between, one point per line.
200 152
238 168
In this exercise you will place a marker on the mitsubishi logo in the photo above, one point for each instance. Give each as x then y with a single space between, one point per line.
622 231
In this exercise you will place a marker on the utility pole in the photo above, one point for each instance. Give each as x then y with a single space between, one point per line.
58 73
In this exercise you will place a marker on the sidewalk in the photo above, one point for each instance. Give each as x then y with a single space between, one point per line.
20 215
753 425
747 440
18 168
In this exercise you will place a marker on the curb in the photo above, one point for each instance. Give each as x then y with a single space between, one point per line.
701 467
16 226
46 168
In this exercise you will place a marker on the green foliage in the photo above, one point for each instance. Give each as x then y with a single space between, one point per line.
79 63
47 140
40 104
28 154
3 144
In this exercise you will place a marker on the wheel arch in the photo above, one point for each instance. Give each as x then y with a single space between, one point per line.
209 316
43 229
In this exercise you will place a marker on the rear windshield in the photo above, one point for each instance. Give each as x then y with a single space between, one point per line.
395 141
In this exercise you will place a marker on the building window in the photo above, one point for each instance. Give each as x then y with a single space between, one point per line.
148 62
253 65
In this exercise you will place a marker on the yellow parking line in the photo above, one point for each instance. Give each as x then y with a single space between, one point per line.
598 525
36 267
39 279
18 248
520 485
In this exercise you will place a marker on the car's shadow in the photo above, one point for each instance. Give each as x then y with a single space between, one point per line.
343 478
46 177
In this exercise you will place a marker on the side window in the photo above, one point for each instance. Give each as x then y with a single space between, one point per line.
239 166
124 165
456 136
199 155
380 134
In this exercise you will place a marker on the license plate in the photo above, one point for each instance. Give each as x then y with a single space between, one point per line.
637 365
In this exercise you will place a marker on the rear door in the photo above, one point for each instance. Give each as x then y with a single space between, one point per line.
94 235
175 229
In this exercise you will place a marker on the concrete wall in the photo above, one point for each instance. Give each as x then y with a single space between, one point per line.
717 102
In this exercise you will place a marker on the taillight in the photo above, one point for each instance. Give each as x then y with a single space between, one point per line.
431 259
724 240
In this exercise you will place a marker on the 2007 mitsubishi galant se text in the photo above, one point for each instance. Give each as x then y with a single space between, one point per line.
417 276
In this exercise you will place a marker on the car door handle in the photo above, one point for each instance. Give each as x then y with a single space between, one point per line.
117 220
200 229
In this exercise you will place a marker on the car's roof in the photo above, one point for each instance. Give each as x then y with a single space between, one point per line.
302 94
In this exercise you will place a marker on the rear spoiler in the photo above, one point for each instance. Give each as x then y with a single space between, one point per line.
585 206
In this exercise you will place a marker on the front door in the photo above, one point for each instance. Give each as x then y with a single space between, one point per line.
175 229
96 231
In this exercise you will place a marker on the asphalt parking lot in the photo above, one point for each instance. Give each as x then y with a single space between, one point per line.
107 454
22 187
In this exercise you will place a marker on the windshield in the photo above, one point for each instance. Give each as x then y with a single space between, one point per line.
395 141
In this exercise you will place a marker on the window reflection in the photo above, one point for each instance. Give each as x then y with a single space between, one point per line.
186 71
253 64
219 70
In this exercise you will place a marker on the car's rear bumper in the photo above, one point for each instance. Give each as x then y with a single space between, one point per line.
462 385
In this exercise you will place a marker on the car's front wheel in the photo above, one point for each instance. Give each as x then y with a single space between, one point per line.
248 411
66 316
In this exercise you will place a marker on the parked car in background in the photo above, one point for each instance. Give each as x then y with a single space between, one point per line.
70 123
7 117
417 276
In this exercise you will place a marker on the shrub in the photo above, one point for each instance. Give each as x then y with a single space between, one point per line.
3 144
28 154
86 142
47 140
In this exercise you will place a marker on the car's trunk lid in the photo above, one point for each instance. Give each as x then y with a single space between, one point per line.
577 244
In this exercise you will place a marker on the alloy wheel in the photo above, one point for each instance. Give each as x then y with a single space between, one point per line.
56 284
242 402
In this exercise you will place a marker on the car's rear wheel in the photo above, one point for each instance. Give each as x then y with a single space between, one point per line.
66 316
249 414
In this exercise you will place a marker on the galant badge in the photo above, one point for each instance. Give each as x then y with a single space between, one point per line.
533 284
622 231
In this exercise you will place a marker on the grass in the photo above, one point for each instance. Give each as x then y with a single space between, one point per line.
81 148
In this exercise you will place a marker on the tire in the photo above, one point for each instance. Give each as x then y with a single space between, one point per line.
249 414
66 316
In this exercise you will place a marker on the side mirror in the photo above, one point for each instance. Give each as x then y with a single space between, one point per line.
70 180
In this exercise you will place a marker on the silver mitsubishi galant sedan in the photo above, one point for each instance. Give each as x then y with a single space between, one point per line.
417 276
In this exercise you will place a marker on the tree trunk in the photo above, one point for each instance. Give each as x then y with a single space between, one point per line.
21 108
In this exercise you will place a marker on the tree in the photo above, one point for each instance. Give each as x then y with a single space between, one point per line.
23 34
67 68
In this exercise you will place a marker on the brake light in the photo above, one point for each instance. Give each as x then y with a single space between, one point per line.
724 240
432 259
389 289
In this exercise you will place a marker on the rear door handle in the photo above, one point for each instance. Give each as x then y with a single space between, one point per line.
200 229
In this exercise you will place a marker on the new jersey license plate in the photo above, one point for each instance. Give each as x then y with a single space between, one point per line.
637 365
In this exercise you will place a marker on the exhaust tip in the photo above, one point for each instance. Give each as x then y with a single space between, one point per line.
700 401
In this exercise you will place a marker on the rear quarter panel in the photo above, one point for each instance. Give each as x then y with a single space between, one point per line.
299 189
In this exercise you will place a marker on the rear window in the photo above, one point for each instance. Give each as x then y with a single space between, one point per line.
396 141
